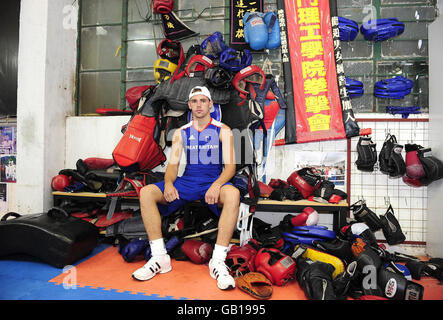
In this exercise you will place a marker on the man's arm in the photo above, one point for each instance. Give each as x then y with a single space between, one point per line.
227 140
171 172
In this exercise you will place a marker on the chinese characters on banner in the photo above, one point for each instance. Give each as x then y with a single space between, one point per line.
238 8
318 112
174 28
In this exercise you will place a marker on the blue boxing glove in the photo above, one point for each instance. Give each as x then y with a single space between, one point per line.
271 21
169 245
255 30
134 248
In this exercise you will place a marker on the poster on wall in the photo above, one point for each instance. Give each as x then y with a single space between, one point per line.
8 140
8 165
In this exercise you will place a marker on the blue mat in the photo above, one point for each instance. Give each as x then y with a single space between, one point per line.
25 278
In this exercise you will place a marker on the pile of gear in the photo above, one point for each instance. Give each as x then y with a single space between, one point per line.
419 167
328 265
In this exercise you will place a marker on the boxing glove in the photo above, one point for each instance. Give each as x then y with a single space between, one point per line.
337 196
432 166
315 278
197 251
363 214
255 30
395 286
324 193
60 182
359 229
170 245
134 248
271 21
414 168
308 217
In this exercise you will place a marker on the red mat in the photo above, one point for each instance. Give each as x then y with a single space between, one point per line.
107 270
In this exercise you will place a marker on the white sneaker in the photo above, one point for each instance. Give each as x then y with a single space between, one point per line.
219 271
157 264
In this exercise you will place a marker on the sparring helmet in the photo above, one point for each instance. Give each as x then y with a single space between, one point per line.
163 69
234 60
251 74
198 63
348 29
171 50
240 260
218 77
213 45
382 29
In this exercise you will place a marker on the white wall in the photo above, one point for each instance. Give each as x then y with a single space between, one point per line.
46 83
435 190
88 137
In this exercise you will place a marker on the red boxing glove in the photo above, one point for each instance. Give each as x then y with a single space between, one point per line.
308 217
60 182
197 251
276 266
163 6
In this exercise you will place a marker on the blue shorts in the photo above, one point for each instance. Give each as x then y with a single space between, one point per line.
189 189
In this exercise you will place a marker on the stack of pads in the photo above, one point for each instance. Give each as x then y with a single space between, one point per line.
372 30
328 265
419 169
395 88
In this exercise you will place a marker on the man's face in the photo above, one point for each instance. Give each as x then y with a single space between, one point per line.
200 106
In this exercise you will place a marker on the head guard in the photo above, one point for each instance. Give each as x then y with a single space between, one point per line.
171 50
250 74
218 77
163 69
382 29
213 45
198 63
234 61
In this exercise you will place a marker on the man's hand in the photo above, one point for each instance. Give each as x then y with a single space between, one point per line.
211 196
170 192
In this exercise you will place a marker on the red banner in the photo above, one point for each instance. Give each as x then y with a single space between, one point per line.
318 111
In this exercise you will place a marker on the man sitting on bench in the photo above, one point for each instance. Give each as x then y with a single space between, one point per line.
210 165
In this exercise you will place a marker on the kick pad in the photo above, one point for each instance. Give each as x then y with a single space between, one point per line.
54 237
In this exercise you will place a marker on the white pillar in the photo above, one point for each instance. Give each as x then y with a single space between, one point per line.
45 96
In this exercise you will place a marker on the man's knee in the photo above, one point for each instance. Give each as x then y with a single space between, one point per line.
150 193
230 195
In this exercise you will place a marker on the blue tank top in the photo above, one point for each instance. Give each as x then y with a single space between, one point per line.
204 157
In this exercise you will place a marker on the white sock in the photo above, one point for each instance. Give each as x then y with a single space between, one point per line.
158 247
220 252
